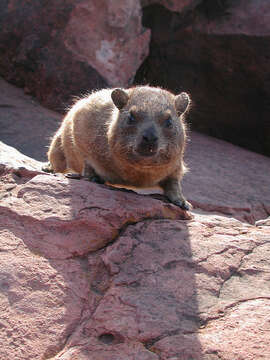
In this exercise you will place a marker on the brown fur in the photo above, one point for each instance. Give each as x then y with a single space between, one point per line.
125 136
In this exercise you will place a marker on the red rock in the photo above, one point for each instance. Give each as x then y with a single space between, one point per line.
12 159
24 123
114 44
246 17
74 48
158 288
227 179
263 222
232 336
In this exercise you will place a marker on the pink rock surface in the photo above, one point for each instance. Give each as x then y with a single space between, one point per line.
24 123
108 35
60 50
87 272
58 206
245 17
12 159
227 179
263 222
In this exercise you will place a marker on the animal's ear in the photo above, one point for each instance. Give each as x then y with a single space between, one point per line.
182 102
119 97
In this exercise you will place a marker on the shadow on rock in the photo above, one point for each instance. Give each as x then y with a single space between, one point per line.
106 273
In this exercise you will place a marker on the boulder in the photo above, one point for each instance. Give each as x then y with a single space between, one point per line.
90 272
108 36
56 51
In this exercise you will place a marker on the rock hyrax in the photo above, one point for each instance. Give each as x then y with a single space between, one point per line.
130 136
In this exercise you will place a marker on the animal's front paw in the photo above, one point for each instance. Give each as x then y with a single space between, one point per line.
75 176
93 178
47 167
96 179
183 204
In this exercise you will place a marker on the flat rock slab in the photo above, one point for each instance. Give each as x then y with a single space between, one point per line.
91 215
226 178
87 272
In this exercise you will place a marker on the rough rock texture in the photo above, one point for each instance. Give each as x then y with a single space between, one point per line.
219 52
227 178
263 222
158 288
94 213
64 48
241 17
108 36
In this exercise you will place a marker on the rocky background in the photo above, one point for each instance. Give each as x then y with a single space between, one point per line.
90 272
219 51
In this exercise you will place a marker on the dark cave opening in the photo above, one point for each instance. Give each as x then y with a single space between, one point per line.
163 24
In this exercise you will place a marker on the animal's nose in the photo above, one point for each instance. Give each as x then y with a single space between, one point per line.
150 136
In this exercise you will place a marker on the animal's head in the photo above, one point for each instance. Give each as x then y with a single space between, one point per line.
148 128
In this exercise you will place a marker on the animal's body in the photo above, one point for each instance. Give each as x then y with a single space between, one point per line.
130 136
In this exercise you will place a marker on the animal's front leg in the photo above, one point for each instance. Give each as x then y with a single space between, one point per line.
173 191
90 174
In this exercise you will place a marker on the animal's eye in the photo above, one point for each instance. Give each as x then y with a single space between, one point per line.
168 122
131 119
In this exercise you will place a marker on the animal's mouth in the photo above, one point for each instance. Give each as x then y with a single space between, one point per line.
147 156
148 150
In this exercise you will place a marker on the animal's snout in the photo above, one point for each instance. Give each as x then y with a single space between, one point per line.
149 136
148 145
